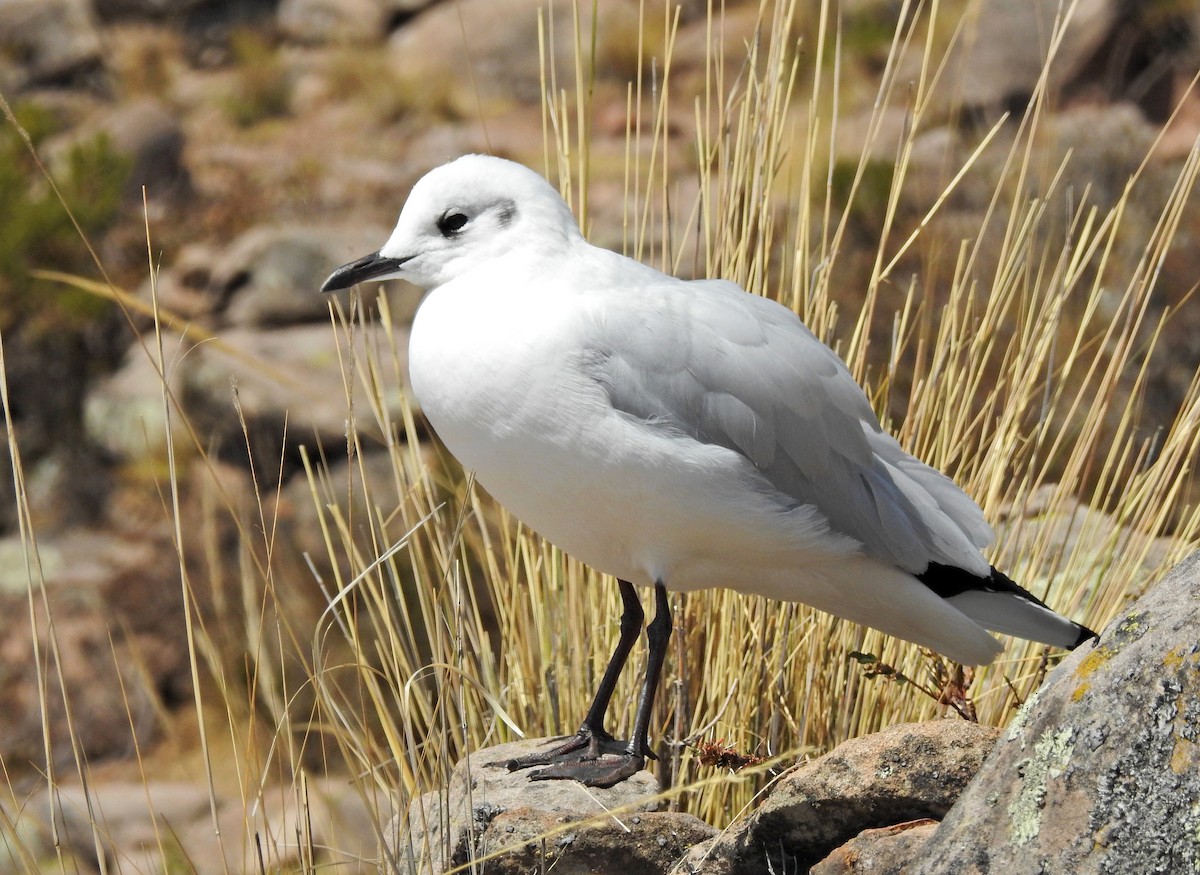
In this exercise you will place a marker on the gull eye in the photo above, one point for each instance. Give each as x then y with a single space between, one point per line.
451 222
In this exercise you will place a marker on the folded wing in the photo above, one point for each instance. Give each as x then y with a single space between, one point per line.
722 367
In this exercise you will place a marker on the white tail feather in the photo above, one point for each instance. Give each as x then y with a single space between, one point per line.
1010 614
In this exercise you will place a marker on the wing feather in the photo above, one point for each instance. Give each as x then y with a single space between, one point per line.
711 362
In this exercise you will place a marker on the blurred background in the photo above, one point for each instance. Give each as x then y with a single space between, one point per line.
183 408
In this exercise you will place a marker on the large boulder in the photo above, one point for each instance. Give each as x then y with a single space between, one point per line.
271 275
152 136
113 10
317 22
904 773
459 56
1100 771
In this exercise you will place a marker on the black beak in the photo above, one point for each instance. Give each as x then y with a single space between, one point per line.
366 268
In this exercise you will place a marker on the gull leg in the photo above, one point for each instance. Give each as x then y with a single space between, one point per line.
631 626
593 739
604 771
658 635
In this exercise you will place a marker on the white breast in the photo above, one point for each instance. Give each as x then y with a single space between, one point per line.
498 378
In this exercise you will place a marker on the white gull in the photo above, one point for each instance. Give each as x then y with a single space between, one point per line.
674 434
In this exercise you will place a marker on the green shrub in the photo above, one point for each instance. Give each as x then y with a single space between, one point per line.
37 232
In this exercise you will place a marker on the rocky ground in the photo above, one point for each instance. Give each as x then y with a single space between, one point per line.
276 139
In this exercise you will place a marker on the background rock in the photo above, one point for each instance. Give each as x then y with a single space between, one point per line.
1100 771
124 412
134 826
500 37
147 134
152 136
331 21
290 375
109 10
273 275
906 772
1001 56
286 382
54 42
118 646
637 844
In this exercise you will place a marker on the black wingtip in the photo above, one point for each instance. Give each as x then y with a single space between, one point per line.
1085 635
949 581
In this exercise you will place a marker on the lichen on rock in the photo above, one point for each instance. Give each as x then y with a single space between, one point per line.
1101 772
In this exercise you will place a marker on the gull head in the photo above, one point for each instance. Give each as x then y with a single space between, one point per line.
462 215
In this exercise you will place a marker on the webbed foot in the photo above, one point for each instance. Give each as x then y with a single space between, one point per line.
594 759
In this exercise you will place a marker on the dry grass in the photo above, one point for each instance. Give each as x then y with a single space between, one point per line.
449 626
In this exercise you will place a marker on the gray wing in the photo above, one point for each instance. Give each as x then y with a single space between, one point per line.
725 367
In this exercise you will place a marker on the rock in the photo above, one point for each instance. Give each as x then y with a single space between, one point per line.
289 374
284 379
133 816
639 844
111 709
47 42
500 39
883 851
273 275
502 35
1046 516
303 526
152 136
532 824
124 411
185 289
906 772
1100 770
149 826
878 132
117 641
113 10
997 63
401 8
698 45
145 132
333 21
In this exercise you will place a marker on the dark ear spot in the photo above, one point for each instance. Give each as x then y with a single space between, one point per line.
508 212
